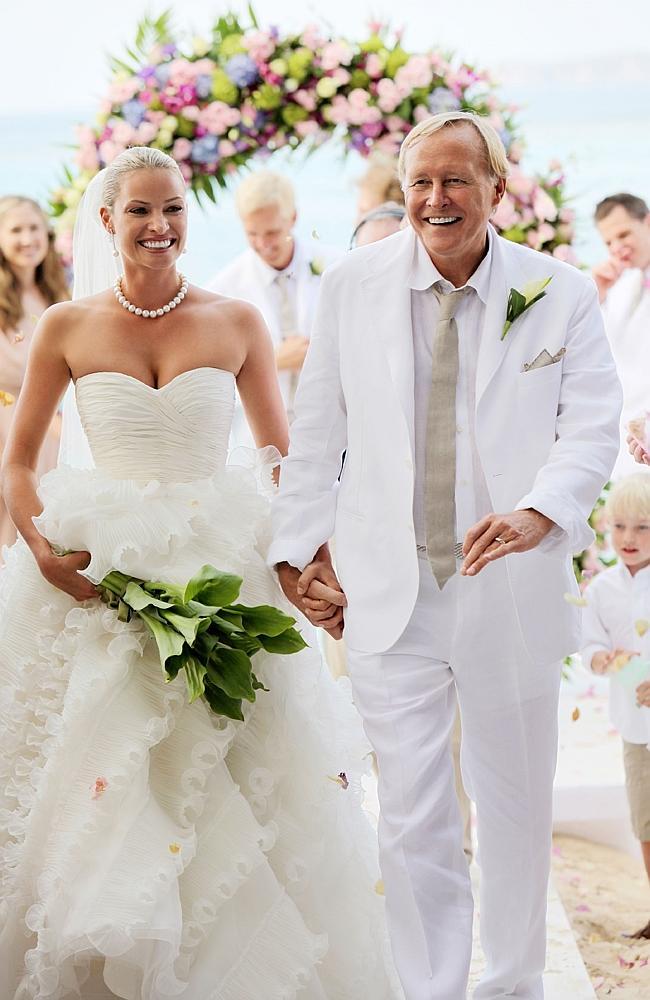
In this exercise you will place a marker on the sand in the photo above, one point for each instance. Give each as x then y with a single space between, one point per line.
605 893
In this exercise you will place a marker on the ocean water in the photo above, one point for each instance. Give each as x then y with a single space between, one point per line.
600 133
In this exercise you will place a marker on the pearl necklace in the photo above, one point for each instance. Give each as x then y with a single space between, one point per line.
150 313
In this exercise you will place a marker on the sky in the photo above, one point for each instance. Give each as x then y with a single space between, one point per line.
54 53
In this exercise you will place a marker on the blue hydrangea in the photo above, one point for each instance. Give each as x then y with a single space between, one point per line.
205 150
133 112
506 137
203 85
162 74
242 70
442 99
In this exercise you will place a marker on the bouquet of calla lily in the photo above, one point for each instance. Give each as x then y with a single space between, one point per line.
198 629
519 302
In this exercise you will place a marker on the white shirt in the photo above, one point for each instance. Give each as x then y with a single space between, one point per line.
249 278
615 601
626 312
472 497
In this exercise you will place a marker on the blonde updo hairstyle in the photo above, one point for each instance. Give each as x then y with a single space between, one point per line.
135 158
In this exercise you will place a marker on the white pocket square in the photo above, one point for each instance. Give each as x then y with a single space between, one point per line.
544 358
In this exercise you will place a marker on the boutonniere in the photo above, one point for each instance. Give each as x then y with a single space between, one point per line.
519 302
316 266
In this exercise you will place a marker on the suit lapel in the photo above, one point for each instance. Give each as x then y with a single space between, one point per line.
504 275
387 293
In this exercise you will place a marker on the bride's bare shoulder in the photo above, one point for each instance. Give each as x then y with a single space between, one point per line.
235 312
64 318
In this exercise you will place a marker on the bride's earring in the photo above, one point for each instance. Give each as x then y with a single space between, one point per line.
116 252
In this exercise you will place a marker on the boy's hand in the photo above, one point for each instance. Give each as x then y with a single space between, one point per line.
643 695
601 661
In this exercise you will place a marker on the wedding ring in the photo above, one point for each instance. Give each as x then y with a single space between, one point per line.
500 540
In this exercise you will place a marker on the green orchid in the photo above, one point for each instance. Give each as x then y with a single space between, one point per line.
520 301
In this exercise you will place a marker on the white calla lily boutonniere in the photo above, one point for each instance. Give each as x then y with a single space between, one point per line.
520 301
316 266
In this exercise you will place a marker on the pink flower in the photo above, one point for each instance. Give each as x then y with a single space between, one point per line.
108 150
335 54
389 95
186 171
374 66
86 158
311 37
182 72
124 133
338 113
566 253
305 129
156 118
306 99
99 787
191 112
123 90
181 149
421 112
259 45
218 117
520 185
506 214
146 132
341 76
226 149
543 205
416 72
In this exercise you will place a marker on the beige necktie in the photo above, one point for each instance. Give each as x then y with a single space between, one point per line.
288 327
440 465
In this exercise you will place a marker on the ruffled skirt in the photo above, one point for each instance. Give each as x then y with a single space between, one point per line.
145 845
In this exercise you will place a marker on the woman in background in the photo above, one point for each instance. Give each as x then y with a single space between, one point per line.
31 279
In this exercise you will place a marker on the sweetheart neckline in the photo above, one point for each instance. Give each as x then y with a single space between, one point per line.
157 388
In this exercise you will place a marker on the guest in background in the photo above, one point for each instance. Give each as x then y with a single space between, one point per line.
378 185
31 279
279 273
378 223
623 280
618 600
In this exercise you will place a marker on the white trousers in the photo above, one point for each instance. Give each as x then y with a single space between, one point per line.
465 637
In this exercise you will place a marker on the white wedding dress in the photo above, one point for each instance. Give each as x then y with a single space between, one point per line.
147 848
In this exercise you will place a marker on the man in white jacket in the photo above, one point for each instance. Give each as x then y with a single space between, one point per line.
279 273
623 281
457 390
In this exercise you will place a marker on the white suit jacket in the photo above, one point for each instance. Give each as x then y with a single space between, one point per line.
626 311
547 438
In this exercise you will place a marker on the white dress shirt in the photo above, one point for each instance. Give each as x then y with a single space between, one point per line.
472 497
615 601
626 311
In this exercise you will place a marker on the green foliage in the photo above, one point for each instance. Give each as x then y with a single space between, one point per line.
199 631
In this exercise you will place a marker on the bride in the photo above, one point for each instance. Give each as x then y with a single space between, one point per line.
149 849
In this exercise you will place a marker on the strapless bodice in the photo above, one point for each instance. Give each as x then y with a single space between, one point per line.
177 433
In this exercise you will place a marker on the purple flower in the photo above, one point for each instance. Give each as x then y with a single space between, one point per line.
133 112
242 70
169 49
203 86
442 99
205 150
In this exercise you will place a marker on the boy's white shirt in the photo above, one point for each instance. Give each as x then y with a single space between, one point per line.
616 600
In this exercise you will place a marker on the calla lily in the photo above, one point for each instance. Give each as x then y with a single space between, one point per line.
520 301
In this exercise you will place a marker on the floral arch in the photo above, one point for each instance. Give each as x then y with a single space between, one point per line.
218 103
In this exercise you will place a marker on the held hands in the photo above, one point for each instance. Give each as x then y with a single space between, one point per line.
290 354
62 573
498 535
602 661
316 592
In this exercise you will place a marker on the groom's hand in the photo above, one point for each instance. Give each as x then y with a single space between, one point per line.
498 535
316 592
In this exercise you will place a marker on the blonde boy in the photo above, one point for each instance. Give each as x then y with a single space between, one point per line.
617 624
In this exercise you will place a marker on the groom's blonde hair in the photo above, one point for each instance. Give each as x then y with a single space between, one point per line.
494 148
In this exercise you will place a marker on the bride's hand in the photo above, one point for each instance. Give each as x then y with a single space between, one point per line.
62 573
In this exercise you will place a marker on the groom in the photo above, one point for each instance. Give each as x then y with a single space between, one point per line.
444 422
